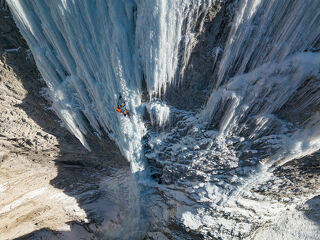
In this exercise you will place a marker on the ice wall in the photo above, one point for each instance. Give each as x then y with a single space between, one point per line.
268 30
85 53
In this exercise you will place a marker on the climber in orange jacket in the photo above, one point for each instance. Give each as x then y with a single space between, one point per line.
121 108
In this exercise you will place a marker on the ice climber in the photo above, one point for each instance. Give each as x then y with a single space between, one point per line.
121 108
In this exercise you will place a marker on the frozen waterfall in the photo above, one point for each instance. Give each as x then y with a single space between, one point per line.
259 79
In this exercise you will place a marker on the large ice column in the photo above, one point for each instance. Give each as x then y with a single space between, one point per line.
254 40
85 51
165 38
268 30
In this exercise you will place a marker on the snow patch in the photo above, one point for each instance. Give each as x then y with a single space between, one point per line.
191 220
